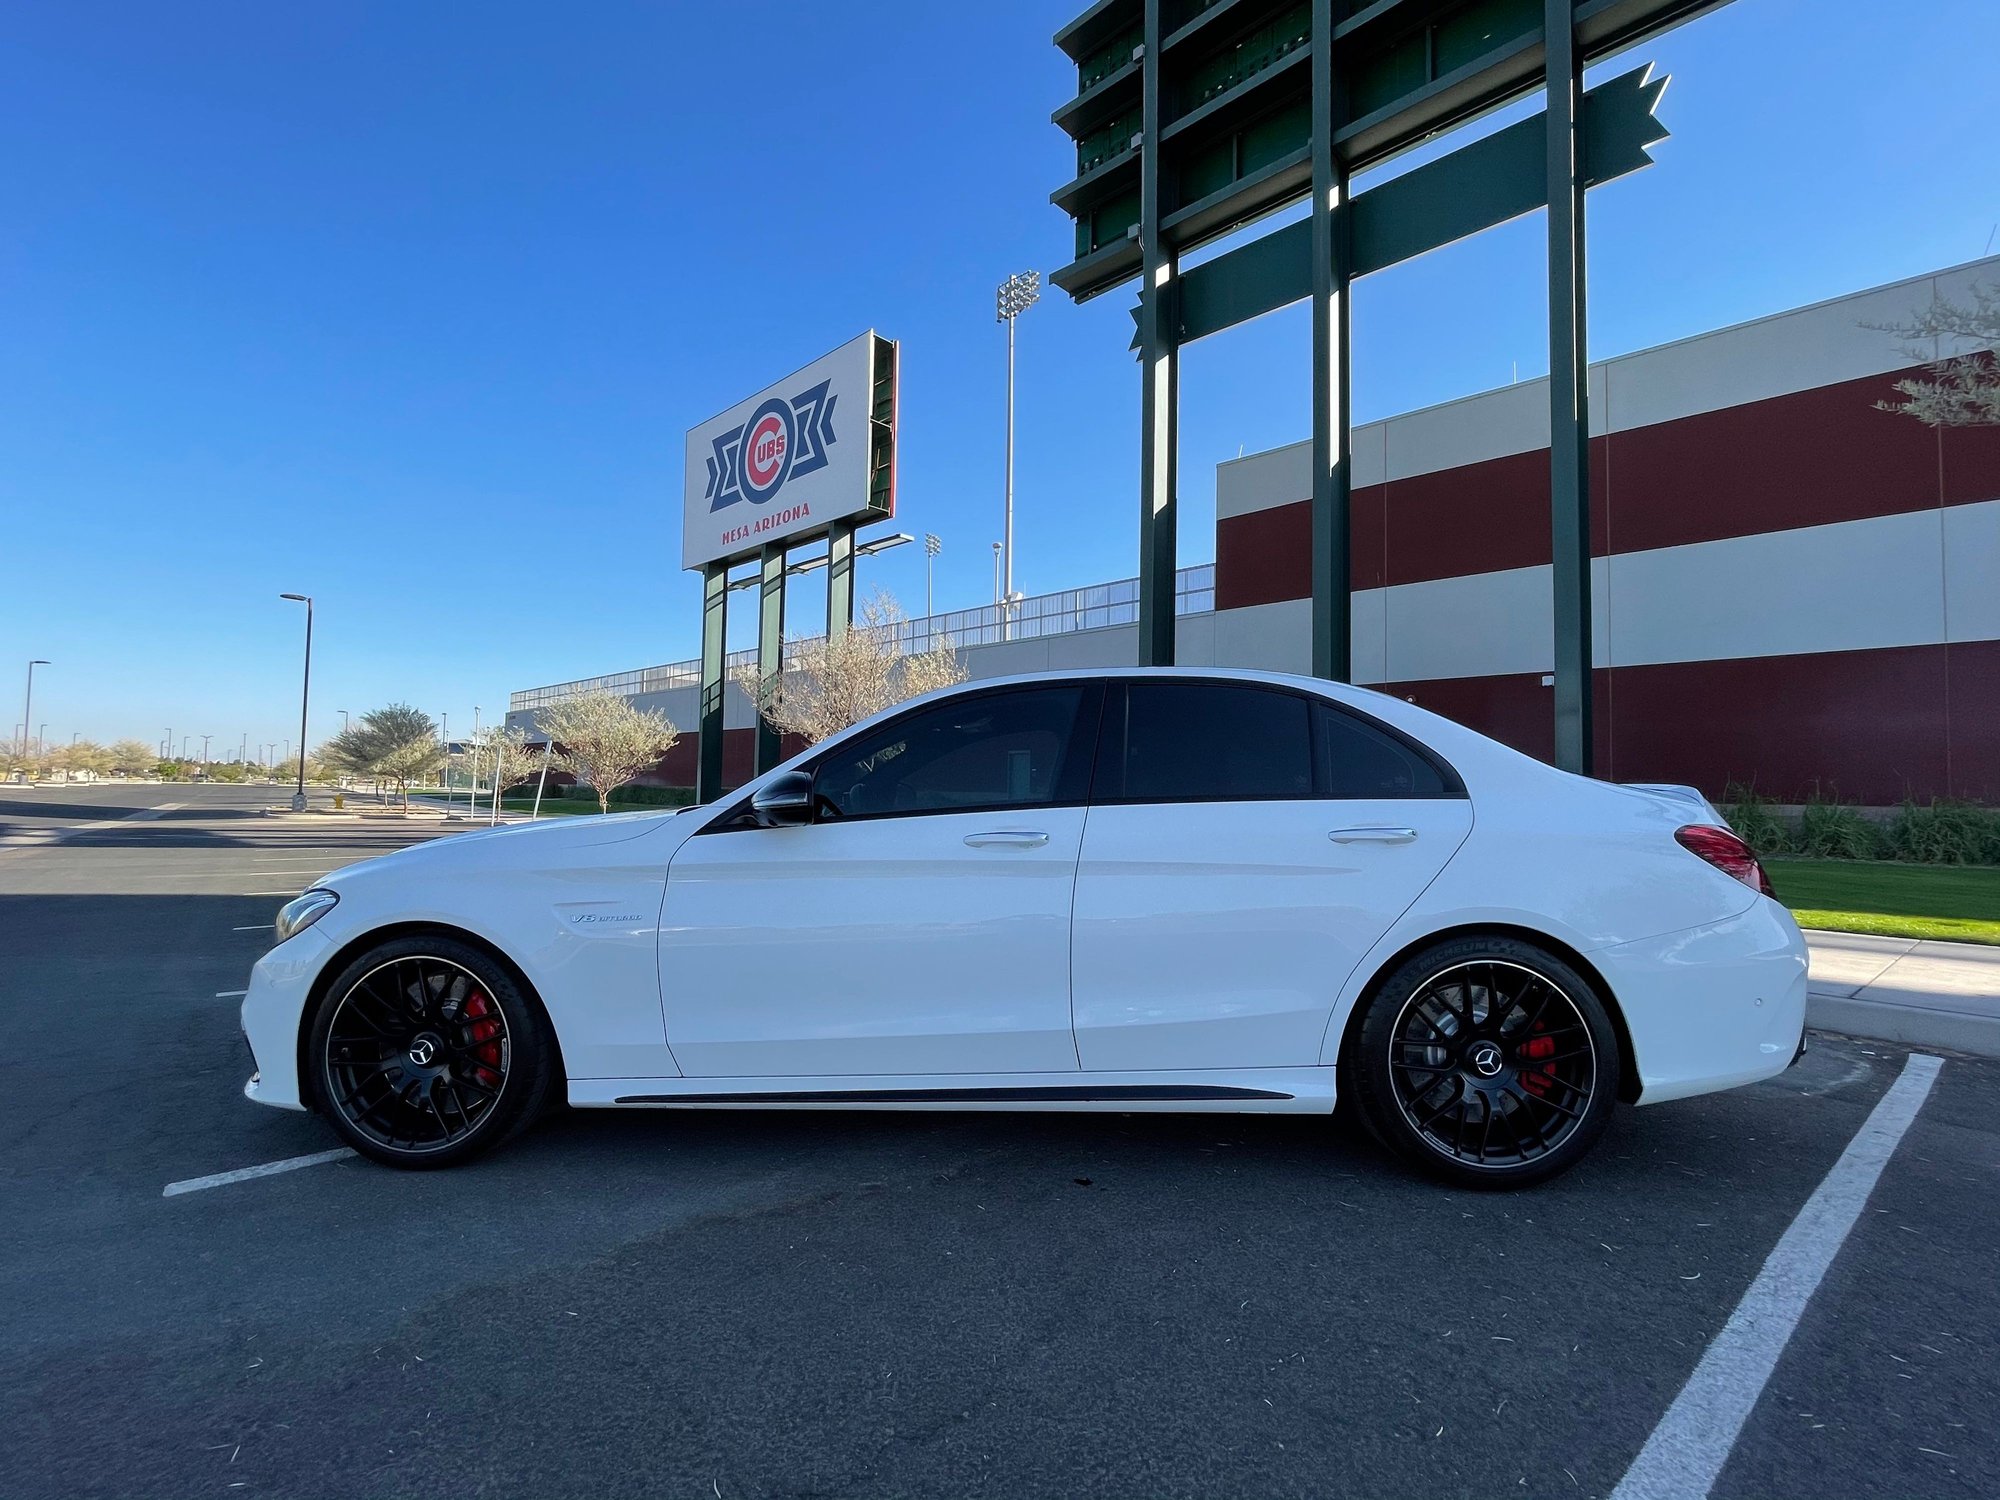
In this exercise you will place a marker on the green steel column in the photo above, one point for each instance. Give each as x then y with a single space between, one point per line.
1569 394
1159 374
714 617
770 646
839 579
1332 268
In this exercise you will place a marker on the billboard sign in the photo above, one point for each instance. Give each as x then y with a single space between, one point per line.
786 463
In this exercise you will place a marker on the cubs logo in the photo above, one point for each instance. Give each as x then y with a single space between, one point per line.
783 440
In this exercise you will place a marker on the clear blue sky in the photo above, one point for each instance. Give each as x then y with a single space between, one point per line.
408 306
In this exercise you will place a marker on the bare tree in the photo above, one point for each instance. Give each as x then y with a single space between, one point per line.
1956 342
827 685
606 741
501 752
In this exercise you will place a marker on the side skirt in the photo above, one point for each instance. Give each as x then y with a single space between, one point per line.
1275 1090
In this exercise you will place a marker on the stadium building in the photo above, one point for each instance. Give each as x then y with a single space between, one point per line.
1793 589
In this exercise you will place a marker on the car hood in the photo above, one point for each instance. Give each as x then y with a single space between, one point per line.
524 845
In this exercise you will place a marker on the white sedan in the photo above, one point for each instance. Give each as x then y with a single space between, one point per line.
1138 890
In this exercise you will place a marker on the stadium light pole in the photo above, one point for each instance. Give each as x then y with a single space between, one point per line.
1015 296
305 698
28 706
932 547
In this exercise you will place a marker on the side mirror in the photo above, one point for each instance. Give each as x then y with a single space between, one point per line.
785 801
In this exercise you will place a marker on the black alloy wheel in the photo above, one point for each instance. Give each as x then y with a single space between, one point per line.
1486 1061
424 1052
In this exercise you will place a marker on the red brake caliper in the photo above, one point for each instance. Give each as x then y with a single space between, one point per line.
484 1031
1532 1078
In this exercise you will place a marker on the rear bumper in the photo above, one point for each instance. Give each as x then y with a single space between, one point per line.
1714 1007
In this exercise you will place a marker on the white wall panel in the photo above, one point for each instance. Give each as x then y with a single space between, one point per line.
1275 637
1514 419
1476 626
1261 481
1972 572
1856 585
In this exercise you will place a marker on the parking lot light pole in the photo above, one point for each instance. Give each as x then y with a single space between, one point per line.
28 707
204 750
305 698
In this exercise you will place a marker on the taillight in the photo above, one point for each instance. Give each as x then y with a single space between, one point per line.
1727 853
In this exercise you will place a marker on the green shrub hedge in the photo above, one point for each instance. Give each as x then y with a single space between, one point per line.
1938 833
638 796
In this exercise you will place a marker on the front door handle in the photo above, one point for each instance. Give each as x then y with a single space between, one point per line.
1373 834
1006 838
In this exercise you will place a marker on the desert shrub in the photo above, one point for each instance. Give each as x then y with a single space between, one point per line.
1755 820
1830 829
1945 833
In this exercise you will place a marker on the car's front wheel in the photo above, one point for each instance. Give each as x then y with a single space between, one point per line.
424 1052
1486 1061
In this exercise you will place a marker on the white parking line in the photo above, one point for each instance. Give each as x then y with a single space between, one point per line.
257 927
244 1174
270 893
1688 1449
229 994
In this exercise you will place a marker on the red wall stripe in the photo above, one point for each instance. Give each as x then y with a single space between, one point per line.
1868 726
1805 459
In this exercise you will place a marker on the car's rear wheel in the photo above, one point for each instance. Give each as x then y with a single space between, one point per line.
1486 1061
424 1052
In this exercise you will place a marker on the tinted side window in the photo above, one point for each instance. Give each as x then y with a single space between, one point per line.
1358 760
1208 741
987 750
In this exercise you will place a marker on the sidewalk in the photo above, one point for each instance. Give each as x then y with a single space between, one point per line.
1901 990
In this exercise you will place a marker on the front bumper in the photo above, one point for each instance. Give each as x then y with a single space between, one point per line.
1714 1007
273 1011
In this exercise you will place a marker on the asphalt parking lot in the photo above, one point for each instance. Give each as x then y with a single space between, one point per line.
743 1304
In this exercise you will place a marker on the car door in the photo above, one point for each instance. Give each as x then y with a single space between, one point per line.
1246 845
919 924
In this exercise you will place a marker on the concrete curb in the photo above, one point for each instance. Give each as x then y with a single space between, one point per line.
1918 992
1911 1025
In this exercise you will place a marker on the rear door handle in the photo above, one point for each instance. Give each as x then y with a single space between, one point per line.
1373 834
1006 838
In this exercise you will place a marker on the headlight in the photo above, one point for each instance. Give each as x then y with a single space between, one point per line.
299 913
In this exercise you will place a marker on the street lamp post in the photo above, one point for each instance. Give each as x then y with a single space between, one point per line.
996 589
204 750
305 698
28 705
1015 296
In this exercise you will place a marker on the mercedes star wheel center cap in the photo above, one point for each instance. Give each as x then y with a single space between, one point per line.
1485 1059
